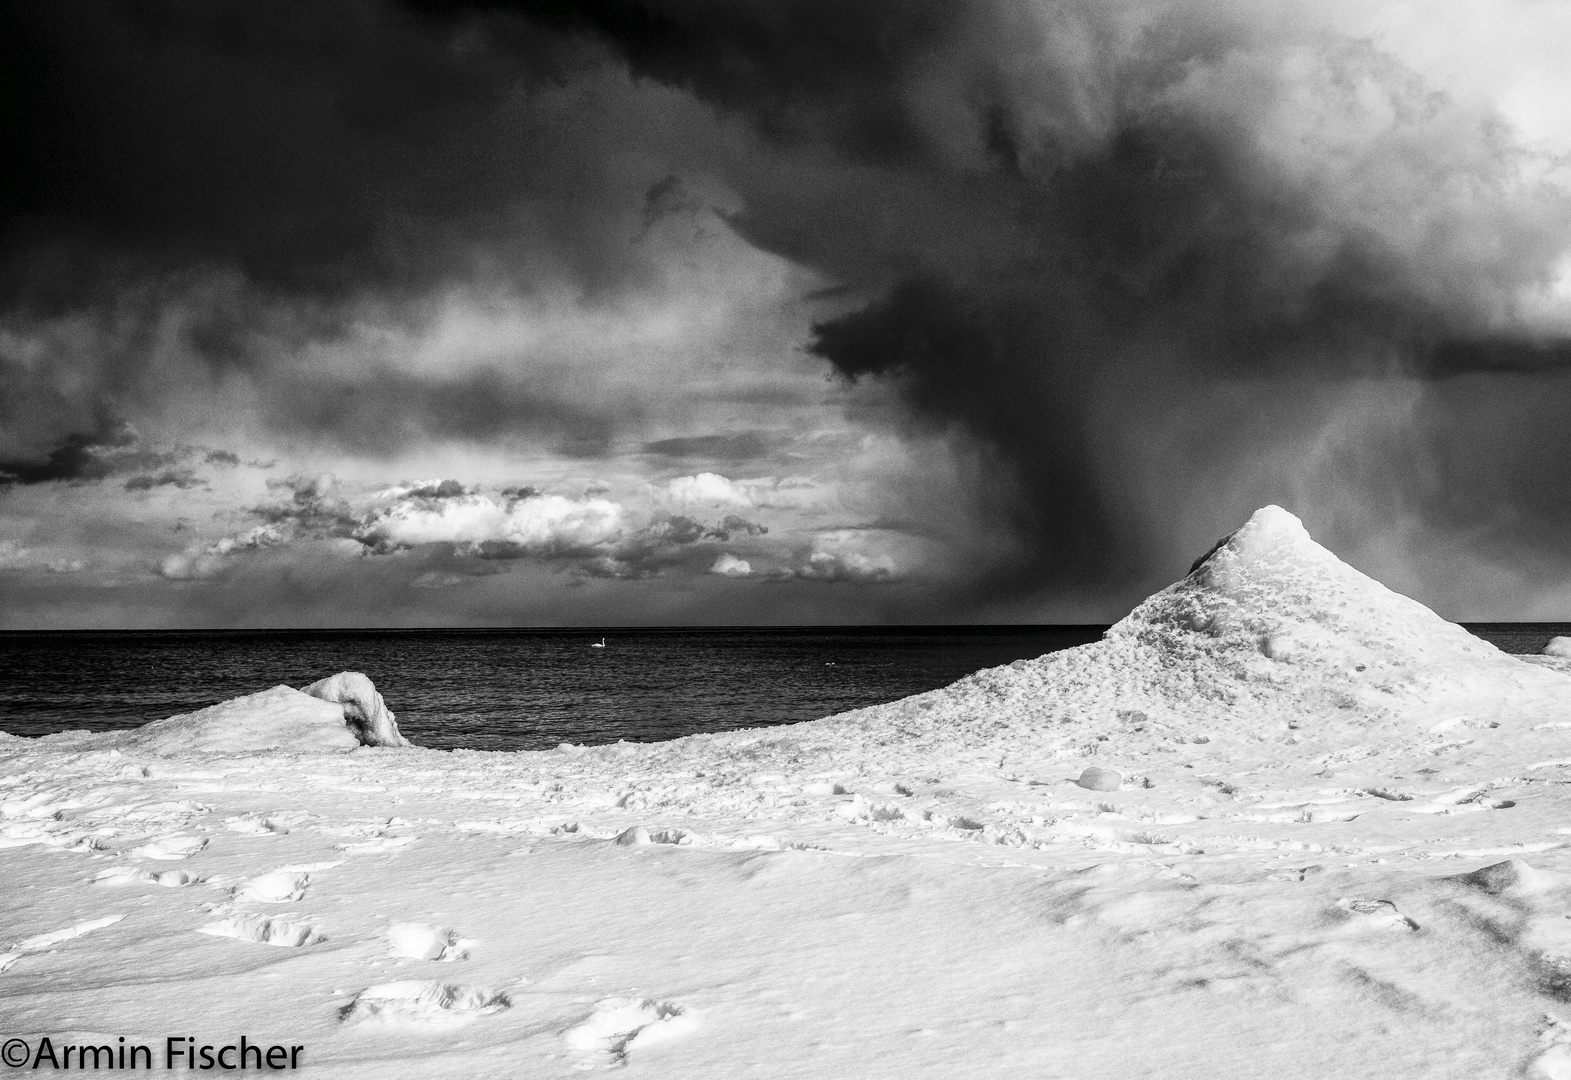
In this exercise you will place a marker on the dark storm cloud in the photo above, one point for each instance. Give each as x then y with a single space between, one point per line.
115 449
1044 226
199 190
1064 213
313 508
79 456
279 140
177 478
734 524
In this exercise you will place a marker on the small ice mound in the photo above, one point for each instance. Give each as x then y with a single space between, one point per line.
279 887
1512 877
365 714
264 931
422 941
1559 646
620 1025
431 1004
1096 779
170 848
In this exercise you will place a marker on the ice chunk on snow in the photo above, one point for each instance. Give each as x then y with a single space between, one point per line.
364 711
1559 646
1096 779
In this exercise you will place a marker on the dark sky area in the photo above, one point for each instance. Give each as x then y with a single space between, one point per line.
417 312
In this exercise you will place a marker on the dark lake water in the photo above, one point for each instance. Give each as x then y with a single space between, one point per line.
531 689
509 689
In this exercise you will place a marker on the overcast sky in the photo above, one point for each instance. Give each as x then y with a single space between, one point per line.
443 313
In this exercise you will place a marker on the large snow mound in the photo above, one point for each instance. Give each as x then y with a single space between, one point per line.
1269 610
1268 629
336 713
280 718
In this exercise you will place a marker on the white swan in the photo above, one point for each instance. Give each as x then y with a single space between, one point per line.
597 644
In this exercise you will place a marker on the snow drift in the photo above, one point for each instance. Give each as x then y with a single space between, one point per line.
1323 828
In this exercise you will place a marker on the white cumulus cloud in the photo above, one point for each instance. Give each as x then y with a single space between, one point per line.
728 565
539 525
848 555
708 489
200 562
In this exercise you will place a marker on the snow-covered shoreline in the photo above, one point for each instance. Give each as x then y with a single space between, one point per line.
1314 769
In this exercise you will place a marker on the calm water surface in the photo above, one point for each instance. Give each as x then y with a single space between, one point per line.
509 689
531 689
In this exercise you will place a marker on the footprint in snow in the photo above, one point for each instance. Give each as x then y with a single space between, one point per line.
1376 913
264 931
279 887
422 941
426 1004
282 886
638 836
126 875
171 848
380 844
620 1025
255 826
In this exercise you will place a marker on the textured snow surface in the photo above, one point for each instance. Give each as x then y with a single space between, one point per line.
1337 846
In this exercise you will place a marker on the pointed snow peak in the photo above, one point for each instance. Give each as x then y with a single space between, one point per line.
1267 607
1271 525
1270 577
1270 533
